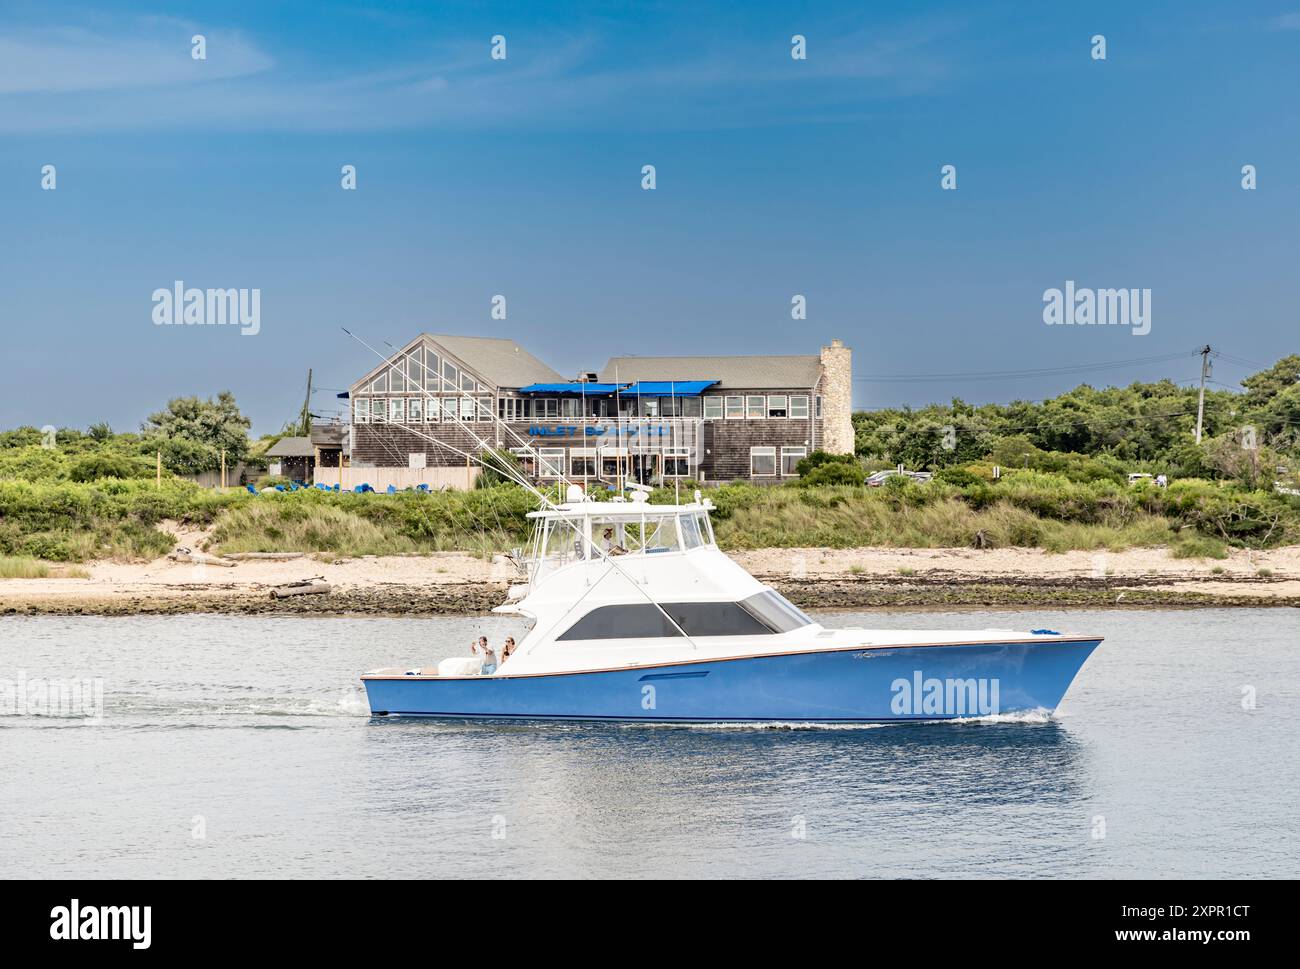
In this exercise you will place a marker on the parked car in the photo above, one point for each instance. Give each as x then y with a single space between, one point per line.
880 477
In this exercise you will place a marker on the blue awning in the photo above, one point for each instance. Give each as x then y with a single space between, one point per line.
668 388
575 387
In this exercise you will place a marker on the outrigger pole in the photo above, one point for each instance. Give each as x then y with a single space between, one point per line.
519 478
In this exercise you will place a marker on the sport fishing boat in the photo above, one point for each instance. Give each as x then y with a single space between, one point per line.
636 615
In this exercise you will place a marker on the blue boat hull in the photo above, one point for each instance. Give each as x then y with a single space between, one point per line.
832 686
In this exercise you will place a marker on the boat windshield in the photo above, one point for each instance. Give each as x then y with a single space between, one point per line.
776 611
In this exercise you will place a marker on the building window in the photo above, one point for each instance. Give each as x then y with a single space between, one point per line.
762 462
777 405
361 410
550 462
547 409
819 407
379 410
677 462
570 407
691 407
466 382
414 371
582 462
484 408
380 384
431 365
791 456
799 406
396 380
415 410
450 375
754 406
431 408
466 407
397 410
735 407
649 406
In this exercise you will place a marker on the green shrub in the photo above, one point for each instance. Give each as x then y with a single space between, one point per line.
106 464
819 458
832 473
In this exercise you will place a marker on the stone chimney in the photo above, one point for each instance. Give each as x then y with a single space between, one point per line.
837 398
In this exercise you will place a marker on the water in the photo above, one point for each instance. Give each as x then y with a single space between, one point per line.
241 747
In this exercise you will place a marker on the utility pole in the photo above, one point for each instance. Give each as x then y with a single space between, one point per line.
306 407
1200 405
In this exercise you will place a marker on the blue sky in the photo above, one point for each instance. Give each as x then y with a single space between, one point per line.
522 177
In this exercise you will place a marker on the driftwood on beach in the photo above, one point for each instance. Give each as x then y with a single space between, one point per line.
264 556
199 558
310 587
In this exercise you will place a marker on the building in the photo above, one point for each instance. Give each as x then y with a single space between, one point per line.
292 457
651 419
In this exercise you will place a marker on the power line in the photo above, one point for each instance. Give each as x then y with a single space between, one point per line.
1020 374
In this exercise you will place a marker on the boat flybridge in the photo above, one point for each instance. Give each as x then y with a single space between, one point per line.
636 615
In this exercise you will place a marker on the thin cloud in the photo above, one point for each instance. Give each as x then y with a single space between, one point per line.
75 59
78 80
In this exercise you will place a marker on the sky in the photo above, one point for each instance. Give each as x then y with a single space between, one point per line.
522 177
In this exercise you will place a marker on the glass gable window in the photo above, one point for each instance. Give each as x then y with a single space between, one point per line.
799 406
755 406
396 380
380 384
450 375
762 461
777 405
735 407
431 365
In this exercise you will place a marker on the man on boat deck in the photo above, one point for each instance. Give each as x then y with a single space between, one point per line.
481 648
611 546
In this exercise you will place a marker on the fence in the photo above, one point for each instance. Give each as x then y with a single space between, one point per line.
438 478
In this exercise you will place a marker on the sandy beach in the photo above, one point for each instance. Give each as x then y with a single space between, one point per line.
453 582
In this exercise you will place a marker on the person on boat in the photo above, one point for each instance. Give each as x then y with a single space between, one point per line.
481 648
508 649
612 547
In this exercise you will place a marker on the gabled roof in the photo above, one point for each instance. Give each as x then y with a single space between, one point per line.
291 447
499 361
728 372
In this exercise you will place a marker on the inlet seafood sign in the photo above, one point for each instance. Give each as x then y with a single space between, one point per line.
599 430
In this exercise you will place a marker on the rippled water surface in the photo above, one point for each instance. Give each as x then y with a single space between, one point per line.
242 747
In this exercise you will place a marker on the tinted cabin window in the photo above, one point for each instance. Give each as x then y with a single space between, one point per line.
759 615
